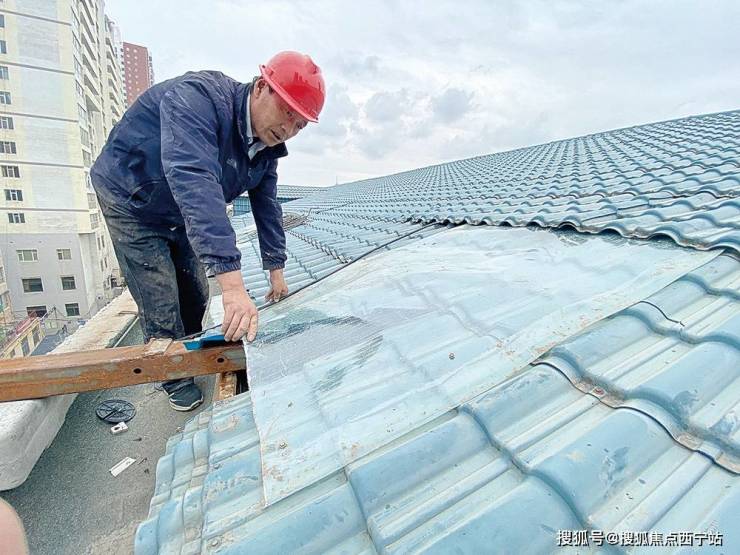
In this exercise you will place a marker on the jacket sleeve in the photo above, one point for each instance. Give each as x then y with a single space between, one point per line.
190 158
268 216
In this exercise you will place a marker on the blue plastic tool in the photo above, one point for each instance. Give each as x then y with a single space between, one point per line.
209 338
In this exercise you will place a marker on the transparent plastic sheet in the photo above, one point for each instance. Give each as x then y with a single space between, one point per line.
398 339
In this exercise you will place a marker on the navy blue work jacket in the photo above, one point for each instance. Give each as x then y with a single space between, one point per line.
179 155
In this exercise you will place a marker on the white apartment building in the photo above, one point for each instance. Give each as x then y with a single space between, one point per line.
60 95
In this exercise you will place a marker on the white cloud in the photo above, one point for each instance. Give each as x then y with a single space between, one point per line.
412 83
452 104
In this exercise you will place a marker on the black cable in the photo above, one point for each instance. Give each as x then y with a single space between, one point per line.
663 313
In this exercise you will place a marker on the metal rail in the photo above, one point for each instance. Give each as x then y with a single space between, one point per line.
159 360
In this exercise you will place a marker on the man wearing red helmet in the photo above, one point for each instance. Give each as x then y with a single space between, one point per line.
181 152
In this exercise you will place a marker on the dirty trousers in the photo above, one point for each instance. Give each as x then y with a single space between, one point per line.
163 275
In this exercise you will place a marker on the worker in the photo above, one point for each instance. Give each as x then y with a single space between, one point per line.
181 152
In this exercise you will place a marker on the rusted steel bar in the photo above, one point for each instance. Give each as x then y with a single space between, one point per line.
159 360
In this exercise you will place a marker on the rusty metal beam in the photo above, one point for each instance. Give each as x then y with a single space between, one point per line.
159 360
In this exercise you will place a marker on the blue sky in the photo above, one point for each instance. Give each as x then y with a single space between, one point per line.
417 83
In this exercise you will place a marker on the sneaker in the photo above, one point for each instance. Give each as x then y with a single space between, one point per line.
186 398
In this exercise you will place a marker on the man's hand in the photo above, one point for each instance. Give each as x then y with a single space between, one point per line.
278 287
240 313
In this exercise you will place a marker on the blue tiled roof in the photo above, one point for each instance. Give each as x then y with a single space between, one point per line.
297 191
630 425
678 178
510 468
674 356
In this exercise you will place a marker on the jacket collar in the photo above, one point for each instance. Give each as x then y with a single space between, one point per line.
272 152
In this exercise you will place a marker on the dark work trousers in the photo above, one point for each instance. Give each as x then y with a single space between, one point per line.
164 276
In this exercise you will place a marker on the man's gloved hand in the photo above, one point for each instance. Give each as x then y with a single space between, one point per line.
240 313
278 287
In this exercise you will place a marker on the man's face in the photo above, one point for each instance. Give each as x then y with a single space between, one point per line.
273 121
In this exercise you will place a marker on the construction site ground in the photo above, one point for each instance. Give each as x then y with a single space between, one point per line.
71 503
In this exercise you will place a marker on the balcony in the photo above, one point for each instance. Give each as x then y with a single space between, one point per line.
87 15
114 84
93 84
88 49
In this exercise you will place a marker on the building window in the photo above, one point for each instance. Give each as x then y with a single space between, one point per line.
6 122
86 159
13 194
36 336
2 20
3 47
68 283
28 255
73 309
2 280
25 347
36 311
8 147
4 95
4 73
4 300
64 254
10 171
32 285
16 217
94 220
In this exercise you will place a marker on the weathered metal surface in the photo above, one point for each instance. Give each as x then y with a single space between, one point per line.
160 360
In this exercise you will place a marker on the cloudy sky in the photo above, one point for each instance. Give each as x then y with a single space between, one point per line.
417 83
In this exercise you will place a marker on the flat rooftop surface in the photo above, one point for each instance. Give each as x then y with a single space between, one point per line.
71 503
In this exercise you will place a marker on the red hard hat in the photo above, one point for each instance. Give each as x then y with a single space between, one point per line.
298 81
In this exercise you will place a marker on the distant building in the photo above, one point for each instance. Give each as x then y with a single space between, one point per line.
138 74
18 337
60 94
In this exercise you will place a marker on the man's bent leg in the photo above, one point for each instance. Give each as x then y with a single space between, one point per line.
192 284
144 254
192 287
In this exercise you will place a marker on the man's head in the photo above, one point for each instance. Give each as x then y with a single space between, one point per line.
289 94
